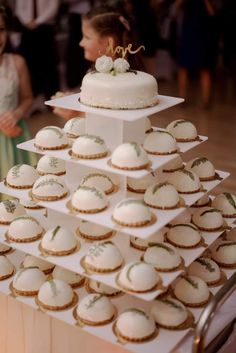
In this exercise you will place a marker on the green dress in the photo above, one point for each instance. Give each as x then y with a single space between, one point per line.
9 93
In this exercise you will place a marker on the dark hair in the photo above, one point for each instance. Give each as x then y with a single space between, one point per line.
109 21
6 14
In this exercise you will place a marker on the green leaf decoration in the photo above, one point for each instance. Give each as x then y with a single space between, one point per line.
49 181
94 138
181 121
222 245
74 121
94 175
159 186
163 132
171 303
162 246
10 205
56 130
55 231
128 273
137 148
27 218
131 201
137 311
53 288
206 264
188 173
93 300
97 249
230 199
16 171
190 281
185 225
199 161
132 71
92 189
209 211
53 162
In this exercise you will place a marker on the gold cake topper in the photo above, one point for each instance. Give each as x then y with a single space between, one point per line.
119 49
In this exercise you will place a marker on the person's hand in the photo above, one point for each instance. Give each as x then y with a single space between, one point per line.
8 120
12 132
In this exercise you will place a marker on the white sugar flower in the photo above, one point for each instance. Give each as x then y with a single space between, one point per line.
104 64
121 65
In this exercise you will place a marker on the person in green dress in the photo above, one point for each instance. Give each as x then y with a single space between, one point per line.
15 101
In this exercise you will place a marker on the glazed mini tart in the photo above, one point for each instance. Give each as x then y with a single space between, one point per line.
206 269
4 249
89 147
185 182
132 213
49 188
51 165
163 256
192 291
148 125
24 229
134 325
174 165
93 286
59 242
33 261
27 281
21 176
6 268
184 217
224 253
100 181
56 295
203 201
142 244
75 280
95 309
208 219
9 210
129 156
184 235
89 199
51 138
140 185
92 231
160 142
74 127
183 130
170 313
163 196
203 168
103 257
226 203
31 204
138 277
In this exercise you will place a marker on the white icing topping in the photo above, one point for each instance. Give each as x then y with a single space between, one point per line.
162 256
24 227
185 181
51 165
55 293
202 167
186 235
67 276
33 261
59 239
22 175
89 199
51 137
131 211
182 129
226 203
89 145
208 218
29 279
191 290
162 195
75 127
129 155
49 186
160 141
169 312
99 180
206 269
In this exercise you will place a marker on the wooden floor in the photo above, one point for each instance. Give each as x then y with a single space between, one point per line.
218 123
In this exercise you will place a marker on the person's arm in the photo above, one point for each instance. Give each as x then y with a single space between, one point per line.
210 8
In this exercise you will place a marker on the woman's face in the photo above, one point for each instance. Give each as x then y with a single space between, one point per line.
94 44
3 35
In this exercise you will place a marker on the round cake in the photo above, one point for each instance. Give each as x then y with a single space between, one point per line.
21 176
163 196
202 167
142 244
206 269
49 188
89 199
9 210
208 219
184 235
226 203
51 165
183 130
185 181
160 142
163 256
6 268
224 253
92 231
129 156
140 185
112 85
74 127
27 281
24 229
51 138
89 146
100 181
59 242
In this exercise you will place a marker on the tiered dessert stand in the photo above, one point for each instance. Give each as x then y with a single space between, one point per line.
115 127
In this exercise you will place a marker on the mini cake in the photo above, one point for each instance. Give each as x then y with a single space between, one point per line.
231 235
163 256
202 167
21 176
192 291
226 203
184 217
101 288
162 195
89 147
92 231
129 156
103 257
208 219
206 269
33 261
132 213
148 125
9 210
51 165
59 241
100 181
51 138
88 199
186 182
6 268
113 85
4 249
224 253
31 204
184 235
142 244
175 164
49 188
160 142
140 185
203 201
24 229
135 325
183 130
95 309
138 277
56 295
27 281
74 127
169 313
72 278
